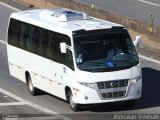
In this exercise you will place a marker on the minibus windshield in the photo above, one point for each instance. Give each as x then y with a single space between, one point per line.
105 52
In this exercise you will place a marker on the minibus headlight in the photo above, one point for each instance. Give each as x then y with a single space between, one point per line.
134 80
90 85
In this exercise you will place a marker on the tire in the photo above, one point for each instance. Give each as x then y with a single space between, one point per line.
32 89
129 103
74 106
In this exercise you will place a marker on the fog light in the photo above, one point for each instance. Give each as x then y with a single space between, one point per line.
138 92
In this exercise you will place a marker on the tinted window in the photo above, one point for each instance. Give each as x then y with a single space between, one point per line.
67 58
39 41
14 32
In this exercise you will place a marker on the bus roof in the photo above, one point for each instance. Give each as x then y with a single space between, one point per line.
62 18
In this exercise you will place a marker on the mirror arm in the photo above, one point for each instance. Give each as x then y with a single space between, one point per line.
138 41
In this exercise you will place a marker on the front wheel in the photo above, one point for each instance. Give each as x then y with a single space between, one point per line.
32 89
74 106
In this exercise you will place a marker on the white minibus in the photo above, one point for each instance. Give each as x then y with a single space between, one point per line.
73 56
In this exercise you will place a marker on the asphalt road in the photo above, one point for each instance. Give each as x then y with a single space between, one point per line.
148 104
139 9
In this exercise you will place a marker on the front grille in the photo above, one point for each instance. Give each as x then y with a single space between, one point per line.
114 94
112 84
113 89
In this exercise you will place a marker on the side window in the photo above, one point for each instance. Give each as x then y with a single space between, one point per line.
39 41
35 39
29 38
23 36
11 31
43 41
68 59
14 32
66 39
56 48
49 44
59 57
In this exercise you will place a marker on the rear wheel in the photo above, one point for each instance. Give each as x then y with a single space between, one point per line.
74 106
32 89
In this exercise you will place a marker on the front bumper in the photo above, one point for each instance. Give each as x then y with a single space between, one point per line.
94 95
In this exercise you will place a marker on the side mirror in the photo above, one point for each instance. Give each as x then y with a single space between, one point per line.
138 41
63 47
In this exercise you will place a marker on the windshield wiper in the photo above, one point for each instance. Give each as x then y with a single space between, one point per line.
96 63
125 60
132 54
106 64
